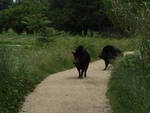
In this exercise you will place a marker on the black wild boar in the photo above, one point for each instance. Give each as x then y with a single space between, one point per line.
81 60
109 53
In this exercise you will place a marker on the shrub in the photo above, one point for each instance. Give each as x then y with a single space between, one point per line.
129 89
129 17
26 16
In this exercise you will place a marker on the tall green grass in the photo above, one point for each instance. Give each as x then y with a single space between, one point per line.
12 70
129 87
23 67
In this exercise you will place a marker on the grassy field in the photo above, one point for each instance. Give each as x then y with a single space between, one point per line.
129 87
25 61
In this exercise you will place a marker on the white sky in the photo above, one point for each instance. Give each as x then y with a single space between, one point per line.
14 0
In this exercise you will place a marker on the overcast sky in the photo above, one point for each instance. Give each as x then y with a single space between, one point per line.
14 0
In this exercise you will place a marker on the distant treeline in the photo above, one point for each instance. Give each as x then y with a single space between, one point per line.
127 17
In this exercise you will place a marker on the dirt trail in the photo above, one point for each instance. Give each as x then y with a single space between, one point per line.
63 92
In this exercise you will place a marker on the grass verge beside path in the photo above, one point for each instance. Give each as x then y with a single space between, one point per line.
129 86
23 67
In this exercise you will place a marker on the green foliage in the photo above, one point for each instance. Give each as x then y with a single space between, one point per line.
124 17
78 16
26 16
120 17
12 69
36 23
129 17
129 89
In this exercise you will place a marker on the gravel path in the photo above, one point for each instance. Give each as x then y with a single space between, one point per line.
63 92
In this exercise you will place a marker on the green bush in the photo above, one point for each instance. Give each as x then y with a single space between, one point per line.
24 17
129 17
129 88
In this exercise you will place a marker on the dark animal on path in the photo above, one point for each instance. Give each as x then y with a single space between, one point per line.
108 54
81 60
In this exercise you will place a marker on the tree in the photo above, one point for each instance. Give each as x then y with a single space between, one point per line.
78 16
26 16
129 16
